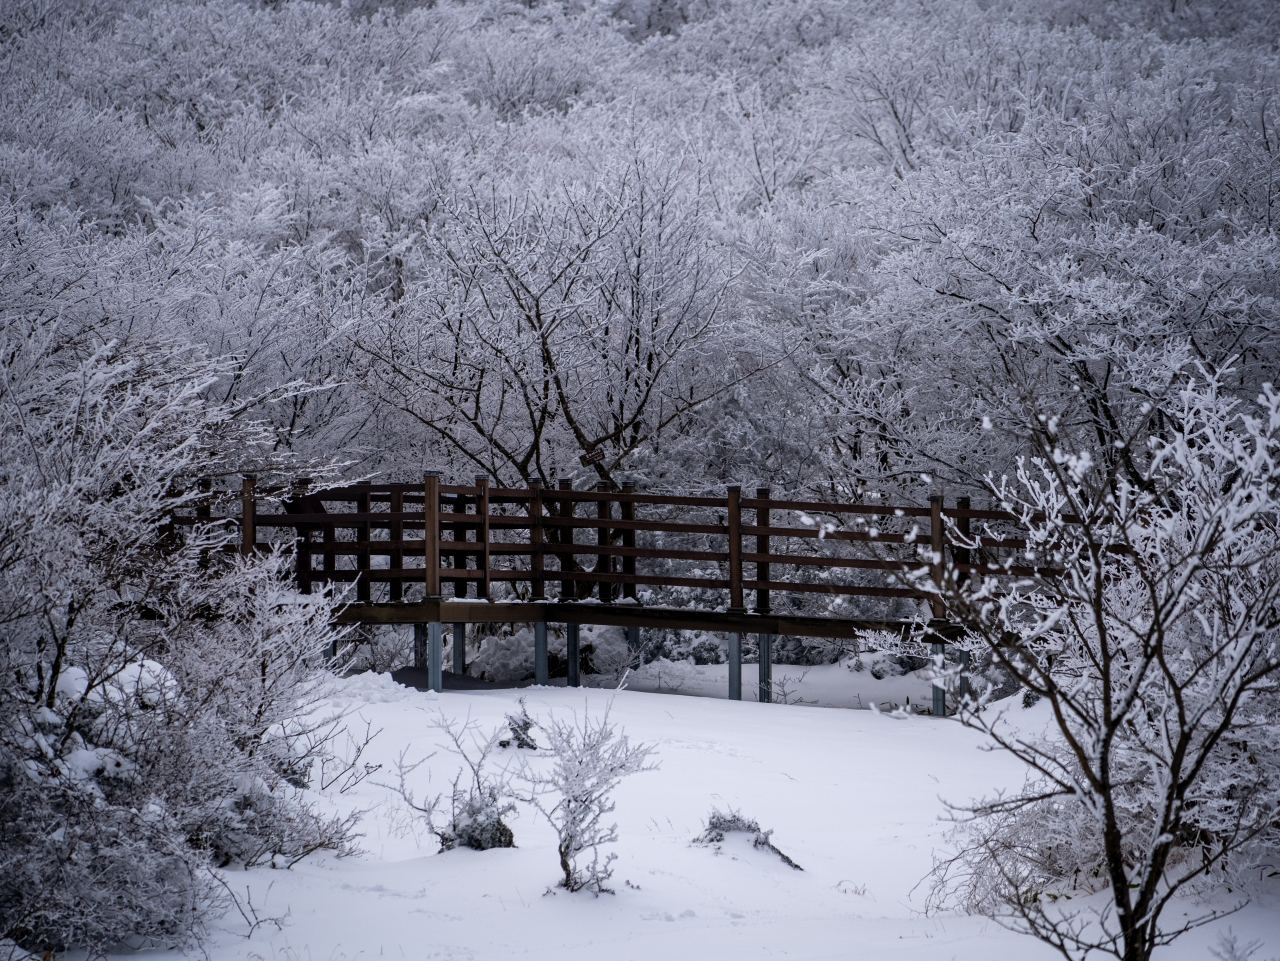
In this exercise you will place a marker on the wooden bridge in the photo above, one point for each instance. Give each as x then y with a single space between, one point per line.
431 554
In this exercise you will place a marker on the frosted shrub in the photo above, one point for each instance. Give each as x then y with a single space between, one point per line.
520 725
721 823
590 759
477 801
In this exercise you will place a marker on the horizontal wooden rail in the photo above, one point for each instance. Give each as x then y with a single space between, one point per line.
819 507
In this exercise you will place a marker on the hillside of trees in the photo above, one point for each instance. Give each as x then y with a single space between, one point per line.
845 248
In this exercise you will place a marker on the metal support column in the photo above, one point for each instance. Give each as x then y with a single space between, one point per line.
435 656
964 676
459 648
572 654
766 667
735 667
939 694
540 652
633 644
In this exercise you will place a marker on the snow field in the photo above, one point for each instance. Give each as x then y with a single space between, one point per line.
852 796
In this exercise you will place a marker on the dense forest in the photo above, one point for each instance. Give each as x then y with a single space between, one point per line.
813 244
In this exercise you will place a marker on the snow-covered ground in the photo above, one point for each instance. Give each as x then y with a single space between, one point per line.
854 797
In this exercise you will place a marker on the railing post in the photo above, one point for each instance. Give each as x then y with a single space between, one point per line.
735 667
302 544
764 518
604 565
431 537
204 512
766 667
482 537
568 588
627 508
734 520
362 558
248 516
459 560
459 648
537 586
936 562
540 652
204 508
395 552
938 569
573 655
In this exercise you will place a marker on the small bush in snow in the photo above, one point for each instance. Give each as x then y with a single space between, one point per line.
590 759
478 802
520 725
721 823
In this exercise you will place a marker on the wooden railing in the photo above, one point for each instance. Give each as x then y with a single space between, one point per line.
442 537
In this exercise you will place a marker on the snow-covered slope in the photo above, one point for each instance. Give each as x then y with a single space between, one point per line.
855 798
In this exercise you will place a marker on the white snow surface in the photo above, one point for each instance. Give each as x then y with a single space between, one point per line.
854 797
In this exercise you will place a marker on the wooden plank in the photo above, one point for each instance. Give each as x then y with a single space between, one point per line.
733 520
395 527
937 539
616 615
822 507
660 500
639 525
362 557
763 520
431 533
810 532
538 584
482 536
627 508
834 562
591 577
566 507
248 509
604 562
840 589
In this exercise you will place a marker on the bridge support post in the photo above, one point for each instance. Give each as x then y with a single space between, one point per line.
735 667
435 656
540 652
459 648
766 667
939 694
572 654
633 641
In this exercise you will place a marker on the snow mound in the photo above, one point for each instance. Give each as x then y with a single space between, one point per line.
370 688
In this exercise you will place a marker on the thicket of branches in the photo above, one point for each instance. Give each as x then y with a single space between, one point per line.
157 693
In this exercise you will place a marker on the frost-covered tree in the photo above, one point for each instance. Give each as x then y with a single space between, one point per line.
1152 632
